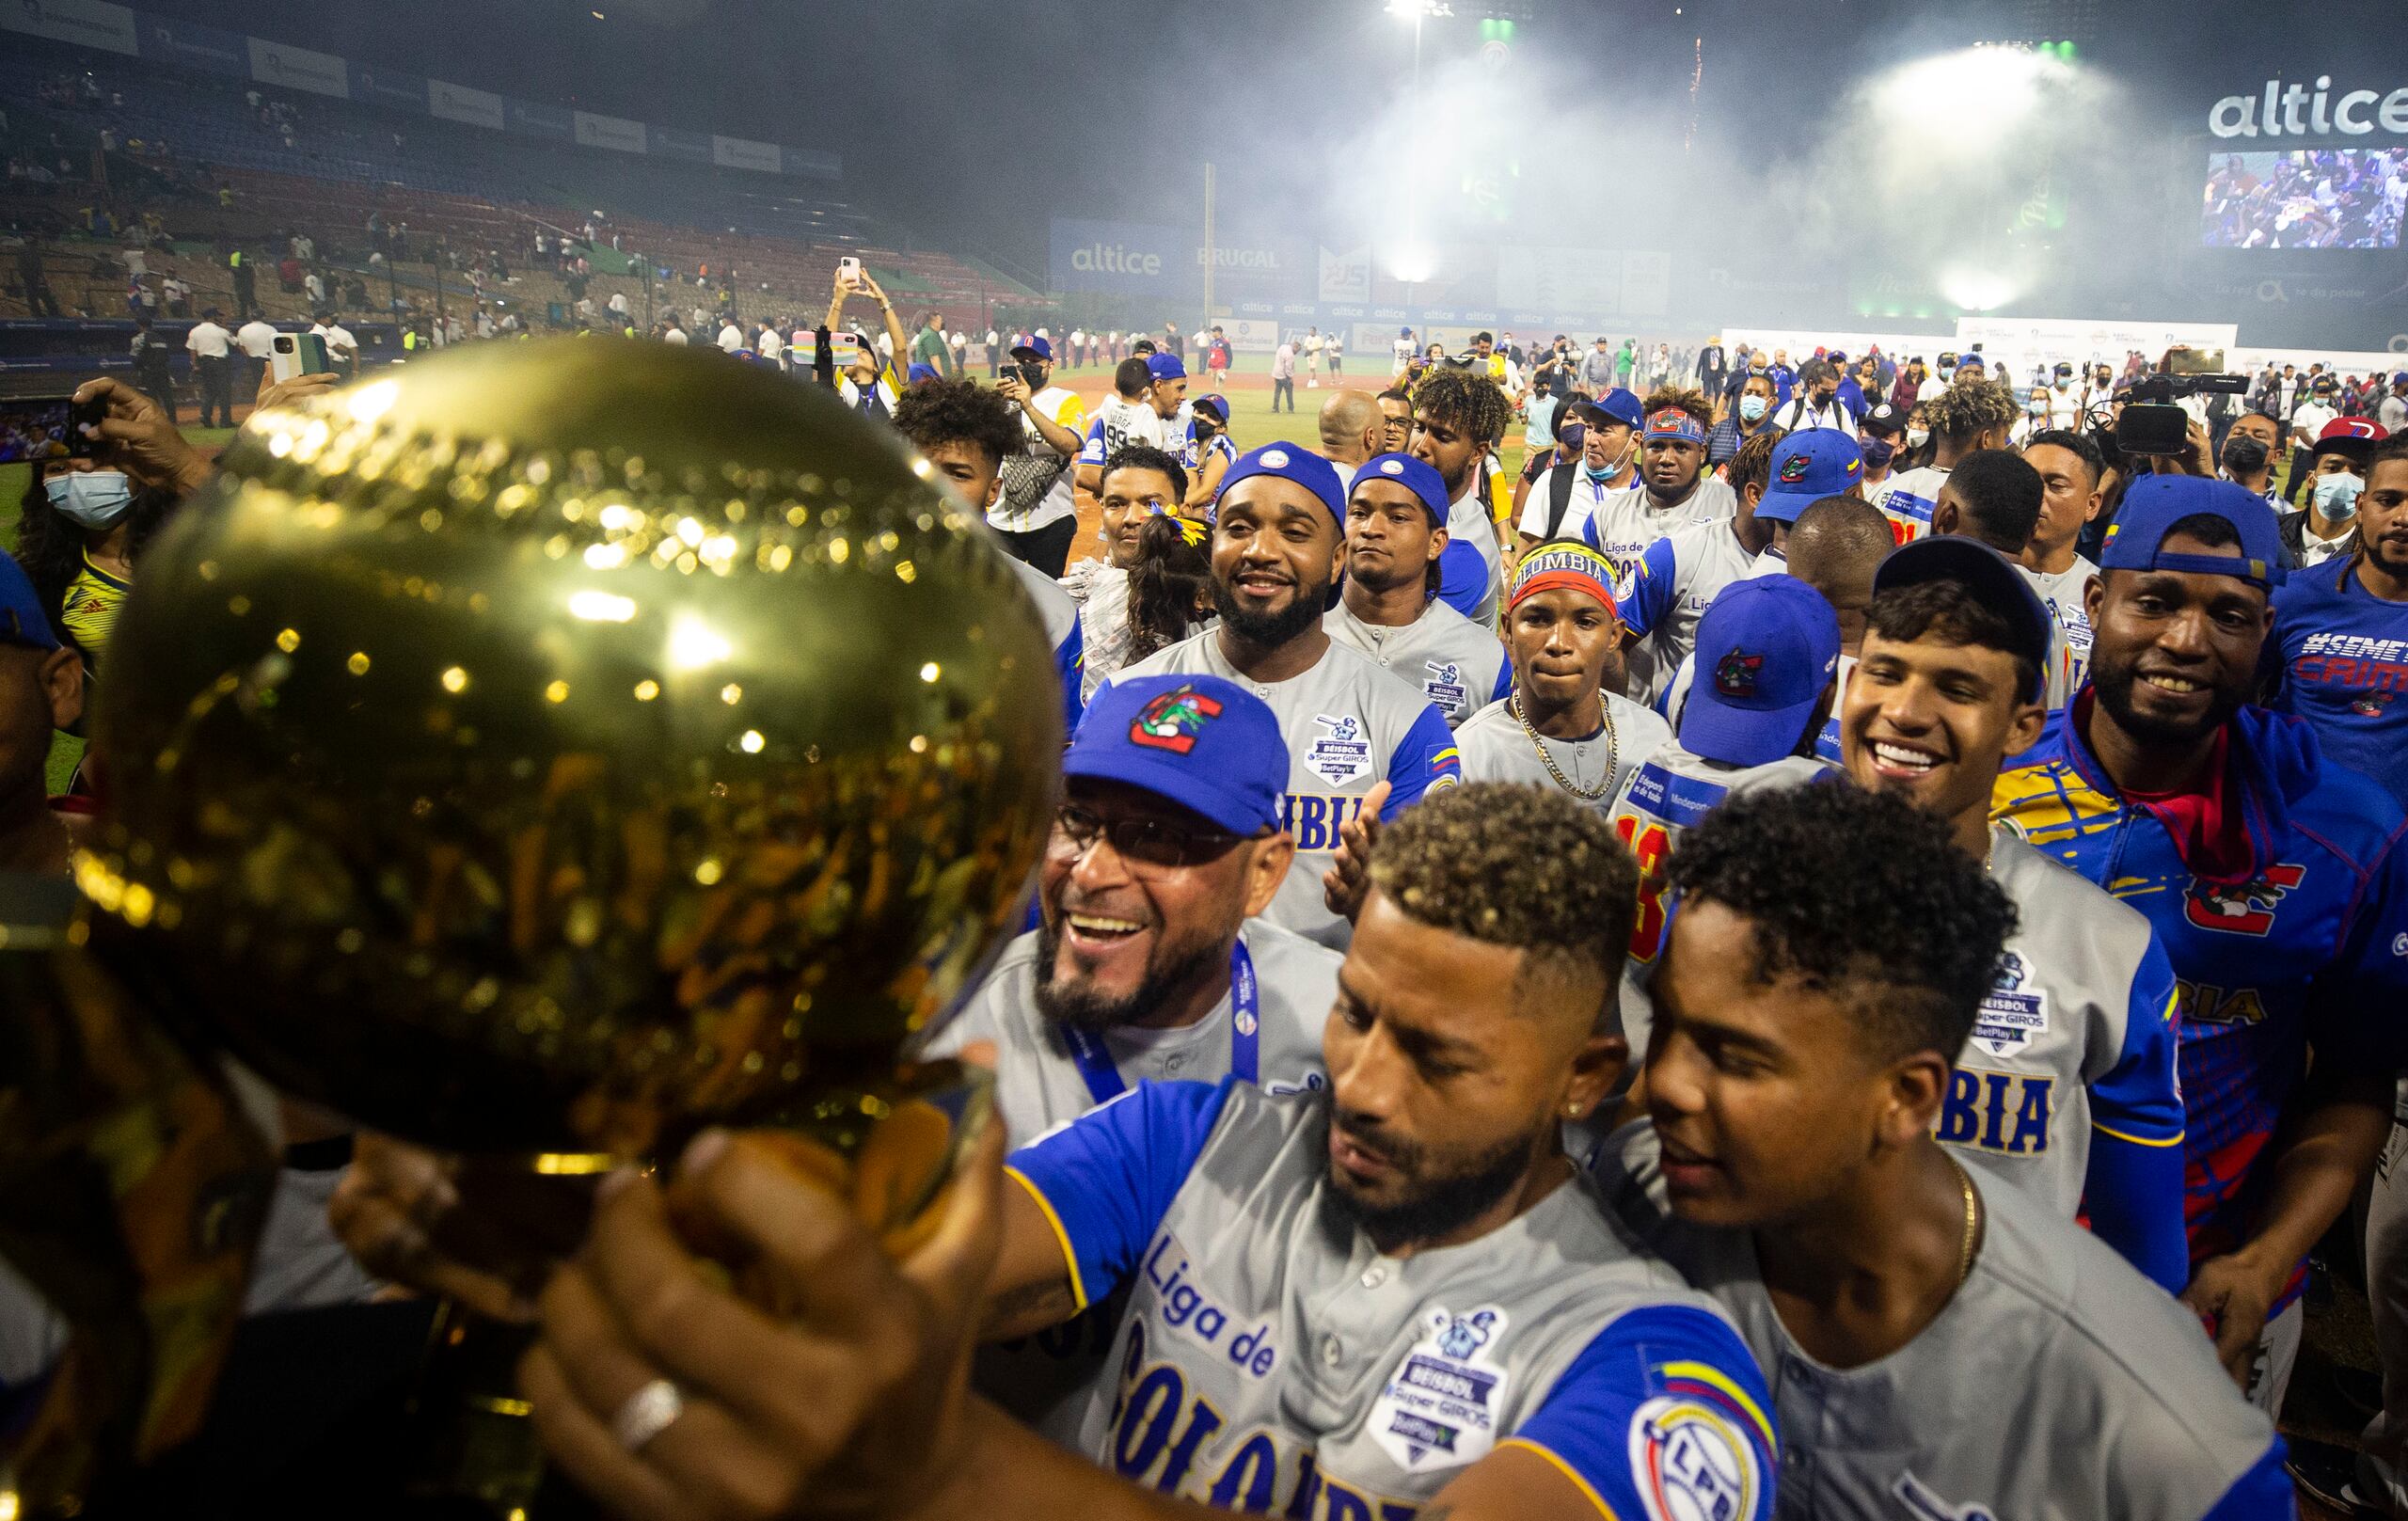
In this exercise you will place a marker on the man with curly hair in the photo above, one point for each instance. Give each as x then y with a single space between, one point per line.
1393 1293
1943 1345
1458 417
1971 415
967 432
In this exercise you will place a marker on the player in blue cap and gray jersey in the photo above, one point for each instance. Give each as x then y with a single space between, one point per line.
1147 962
1770 655
1389 1297
1939 1345
2066 1090
1396 532
1357 736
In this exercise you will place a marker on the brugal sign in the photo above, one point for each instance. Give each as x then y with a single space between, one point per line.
2300 111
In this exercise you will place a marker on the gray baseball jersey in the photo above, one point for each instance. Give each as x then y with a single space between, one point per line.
1349 727
1497 747
1041 1082
1625 522
1671 790
2056 1386
1272 1361
2062 592
1668 589
1458 665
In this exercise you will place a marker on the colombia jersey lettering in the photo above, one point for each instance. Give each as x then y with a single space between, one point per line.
1349 727
1272 1361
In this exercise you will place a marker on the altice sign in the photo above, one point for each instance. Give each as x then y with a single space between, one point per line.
2296 110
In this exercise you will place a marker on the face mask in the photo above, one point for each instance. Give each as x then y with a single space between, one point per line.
1876 452
1751 408
2336 497
1597 473
90 498
2244 455
1915 436
2037 408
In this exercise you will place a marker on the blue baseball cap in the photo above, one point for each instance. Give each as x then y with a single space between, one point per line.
1765 649
2156 502
1218 402
1206 744
1294 463
1163 365
1992 579
919 373
1415 476
1621 405
1807 466
1038 346
21 620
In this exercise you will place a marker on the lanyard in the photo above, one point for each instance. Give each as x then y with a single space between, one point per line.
1246 1036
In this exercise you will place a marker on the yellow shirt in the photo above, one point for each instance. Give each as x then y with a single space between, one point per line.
89 608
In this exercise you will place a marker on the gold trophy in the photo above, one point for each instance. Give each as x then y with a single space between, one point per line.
562 747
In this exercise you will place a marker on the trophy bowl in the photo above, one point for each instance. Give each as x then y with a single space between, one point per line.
560 747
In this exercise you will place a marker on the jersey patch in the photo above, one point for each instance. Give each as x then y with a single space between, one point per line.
1691 1463
1924 1504
1344 752
2245 909
1439 1407
2014 1012
1446 685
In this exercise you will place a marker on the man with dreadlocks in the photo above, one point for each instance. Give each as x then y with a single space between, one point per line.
1967 416
1458 416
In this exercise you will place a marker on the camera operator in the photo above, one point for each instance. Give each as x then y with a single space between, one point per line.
1036 517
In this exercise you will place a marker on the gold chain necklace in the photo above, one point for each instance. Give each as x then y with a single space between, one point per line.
1972 1220
1613 752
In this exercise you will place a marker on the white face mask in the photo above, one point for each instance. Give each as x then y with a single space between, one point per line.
2337 496
1915 436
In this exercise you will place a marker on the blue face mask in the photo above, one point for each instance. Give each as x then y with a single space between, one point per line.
2336 497
1751 408
90 498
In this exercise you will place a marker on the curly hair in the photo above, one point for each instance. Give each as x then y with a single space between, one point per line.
1170 585
1681 399
1860 894
1464 400
961 411
1752 465
51 548
1516 866
1146 457
1967 406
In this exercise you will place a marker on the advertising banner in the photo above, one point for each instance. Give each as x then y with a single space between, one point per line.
617 134
186 44
290 68
387 87
1345 277
87 23
458 102
744 153
537 120
1119 258
667 142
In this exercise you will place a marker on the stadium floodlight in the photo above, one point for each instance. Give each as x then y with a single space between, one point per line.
1417 10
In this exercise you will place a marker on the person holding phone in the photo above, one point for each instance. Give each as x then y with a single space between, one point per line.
868 383
1037 516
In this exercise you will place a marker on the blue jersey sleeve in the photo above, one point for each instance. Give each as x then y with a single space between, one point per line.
2265 1493
1463 578
1069 663
1504 679
2355 1009
1105 1178
1663 1414
2133 1192
1425 758
1091 452
1649 590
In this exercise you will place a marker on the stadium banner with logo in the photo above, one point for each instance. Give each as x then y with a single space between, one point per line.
808 163
2019 342
458 102
1264 267
539 120
1345 276
85 23
290 68
387 87
744 153
1250 334
617 134
187 45
667 142
1121 258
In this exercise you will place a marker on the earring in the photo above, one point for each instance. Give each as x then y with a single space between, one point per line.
1572 1110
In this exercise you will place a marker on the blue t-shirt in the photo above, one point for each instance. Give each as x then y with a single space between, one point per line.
2345 668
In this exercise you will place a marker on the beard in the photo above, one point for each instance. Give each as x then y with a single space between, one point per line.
1302 614
2115 684
1435 1205
1079 1005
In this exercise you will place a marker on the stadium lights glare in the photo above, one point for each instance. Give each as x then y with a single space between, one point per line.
1414 11
1412 263
2008 82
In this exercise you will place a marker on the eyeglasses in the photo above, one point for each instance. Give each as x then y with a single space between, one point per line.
1141 841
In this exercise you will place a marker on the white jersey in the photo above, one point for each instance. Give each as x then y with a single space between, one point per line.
1668 589
1459 666
1495 748
1467 522
2070 651
1040 1082
1907 499
1272 1361
1060 406
2055 1382
1349 725
1662 801
1100 588
1624 524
